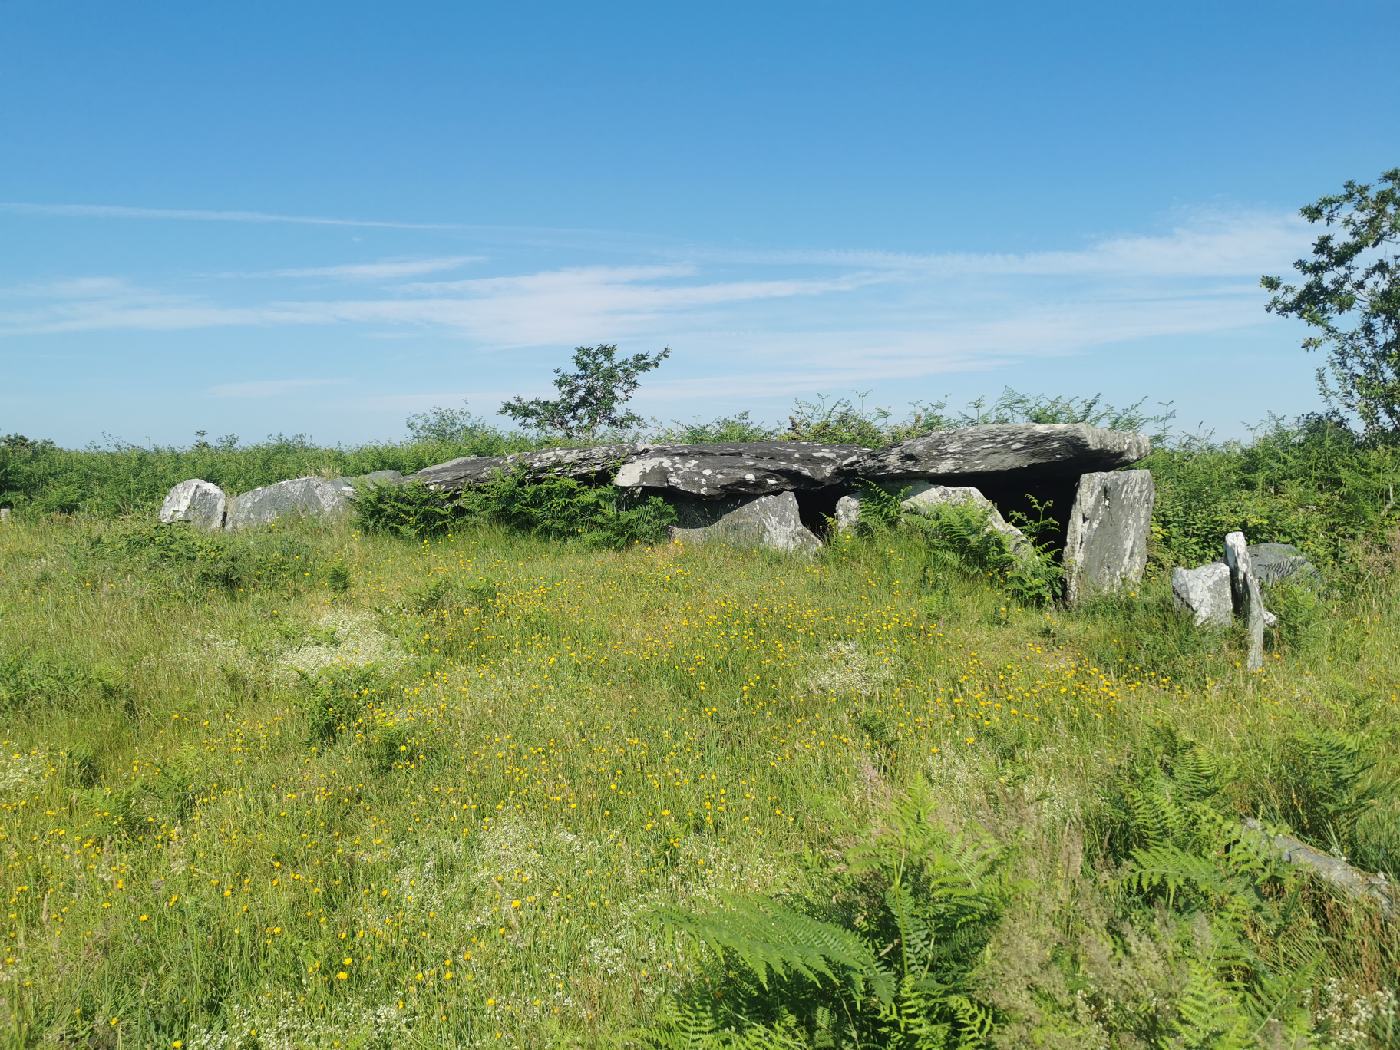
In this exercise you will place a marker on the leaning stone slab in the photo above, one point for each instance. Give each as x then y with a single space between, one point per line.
580 464
196 501
924 496
374 477
1276 562
1248 601
762 521
305 497
1204 592
1054 448
1106 545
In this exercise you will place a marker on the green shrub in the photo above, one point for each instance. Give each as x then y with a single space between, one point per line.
561 508
411 509
231 562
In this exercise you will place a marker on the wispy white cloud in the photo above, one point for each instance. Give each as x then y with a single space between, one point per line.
120 211
1206 244
778 323
383 270
270 387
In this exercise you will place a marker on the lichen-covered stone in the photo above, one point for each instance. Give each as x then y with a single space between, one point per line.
196 501
762 521
1275 562
1204 592
314 497
1106 544
1058 448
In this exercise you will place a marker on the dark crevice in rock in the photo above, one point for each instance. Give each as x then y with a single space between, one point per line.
818 506
1011 494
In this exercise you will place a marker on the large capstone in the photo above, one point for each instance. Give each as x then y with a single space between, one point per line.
1248 600
299 497
196 501
1204 592
1106 544
753 468
763 521
999 448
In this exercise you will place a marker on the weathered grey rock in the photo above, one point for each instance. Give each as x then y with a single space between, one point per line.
1205 593
1248 601
762 521
1275 562
1052 448
297 497
1354 882
746 468
710 471
196 501
375 477
924 496
1106 544
580 464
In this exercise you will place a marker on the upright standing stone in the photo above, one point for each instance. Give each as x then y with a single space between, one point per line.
196 501
1106 546
1244 588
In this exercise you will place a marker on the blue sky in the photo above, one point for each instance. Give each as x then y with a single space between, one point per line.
319 218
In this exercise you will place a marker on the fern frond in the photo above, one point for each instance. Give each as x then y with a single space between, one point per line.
770 939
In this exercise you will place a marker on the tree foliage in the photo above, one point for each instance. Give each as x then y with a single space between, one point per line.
1351 294
591 398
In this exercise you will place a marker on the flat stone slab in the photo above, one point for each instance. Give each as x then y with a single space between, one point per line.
304 497
1204 592
1106 545
709 471
754 468
1053 448
762 521
196 501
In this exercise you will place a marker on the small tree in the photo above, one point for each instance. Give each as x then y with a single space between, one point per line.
591 398
1351 294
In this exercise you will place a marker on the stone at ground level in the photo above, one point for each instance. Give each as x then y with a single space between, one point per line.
1205 593
313 497
1106 545
763 521
196 501
1275 562
1059 448
1248 600
923 496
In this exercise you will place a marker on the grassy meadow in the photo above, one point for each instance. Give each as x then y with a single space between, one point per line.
311 787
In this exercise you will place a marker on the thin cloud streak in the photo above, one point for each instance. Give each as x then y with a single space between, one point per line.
270 387
121 211
384 270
